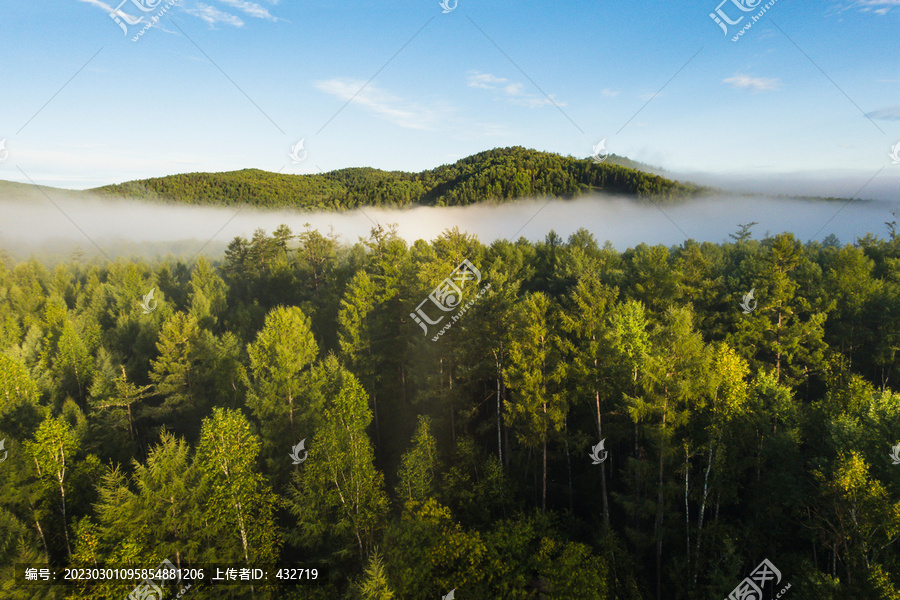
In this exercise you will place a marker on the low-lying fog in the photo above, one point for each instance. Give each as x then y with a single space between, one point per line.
30 223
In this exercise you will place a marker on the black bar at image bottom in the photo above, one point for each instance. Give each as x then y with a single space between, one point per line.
166 573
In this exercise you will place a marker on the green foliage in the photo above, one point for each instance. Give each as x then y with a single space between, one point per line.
374 585
464 458
495 175
339 500
239 505
418 465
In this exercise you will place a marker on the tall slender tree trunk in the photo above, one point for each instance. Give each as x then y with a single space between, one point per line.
603 464
505 431
291 412
452 412
62 491
687 510
375 414
243 530
40 530
659 503
544 486
778 349
703 508
568 464
499 437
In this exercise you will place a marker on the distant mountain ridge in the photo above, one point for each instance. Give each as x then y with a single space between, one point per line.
502 174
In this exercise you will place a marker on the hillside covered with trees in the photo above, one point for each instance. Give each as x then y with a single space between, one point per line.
735 429
496 175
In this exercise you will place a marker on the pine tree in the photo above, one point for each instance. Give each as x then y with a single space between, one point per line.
537 410
283 348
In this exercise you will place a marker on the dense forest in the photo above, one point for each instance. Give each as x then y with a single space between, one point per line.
735 427
495 175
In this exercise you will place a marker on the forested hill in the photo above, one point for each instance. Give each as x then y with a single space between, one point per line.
501 174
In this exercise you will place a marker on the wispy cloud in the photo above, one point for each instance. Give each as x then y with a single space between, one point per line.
106 7
251 9
485 80
608 93
381 103
208 13
514 92
757 84
213 15
891 113
881 7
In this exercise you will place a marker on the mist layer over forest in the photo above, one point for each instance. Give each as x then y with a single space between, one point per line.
58 222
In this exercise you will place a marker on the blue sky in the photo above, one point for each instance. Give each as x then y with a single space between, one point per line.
219 85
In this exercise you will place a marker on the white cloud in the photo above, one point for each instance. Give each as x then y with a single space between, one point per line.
385 105
213 15
485 80
106 7
891 113
880 7
608 93
513 91
251 8
757 84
